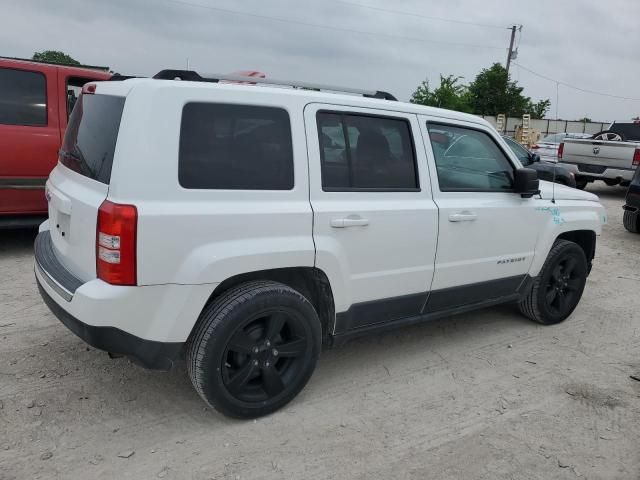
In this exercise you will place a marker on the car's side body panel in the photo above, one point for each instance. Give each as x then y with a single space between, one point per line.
498 240
392 254
408 261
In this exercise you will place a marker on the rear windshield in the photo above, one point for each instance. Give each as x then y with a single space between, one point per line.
90 140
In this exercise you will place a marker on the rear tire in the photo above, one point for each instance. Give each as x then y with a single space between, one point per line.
558 288
631 221
254 349
581 183
611 183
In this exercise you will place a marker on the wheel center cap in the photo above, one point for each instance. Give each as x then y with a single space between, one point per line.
265 354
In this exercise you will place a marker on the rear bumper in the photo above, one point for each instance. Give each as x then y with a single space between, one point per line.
149 324
622 174
149 354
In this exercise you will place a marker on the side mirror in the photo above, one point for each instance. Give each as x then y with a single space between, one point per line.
535 157
526 182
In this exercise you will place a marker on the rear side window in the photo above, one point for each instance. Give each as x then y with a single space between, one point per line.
235 147
90 140
23 98
365 152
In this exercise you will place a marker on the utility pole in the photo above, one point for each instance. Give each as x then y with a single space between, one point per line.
512 54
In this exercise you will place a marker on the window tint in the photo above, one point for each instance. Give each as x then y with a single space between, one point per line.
521 152
23 98
365 152
468 159
74 88
90 140
236 147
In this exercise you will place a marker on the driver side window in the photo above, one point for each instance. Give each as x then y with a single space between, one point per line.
469 160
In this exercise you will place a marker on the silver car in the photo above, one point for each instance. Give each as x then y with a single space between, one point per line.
547 148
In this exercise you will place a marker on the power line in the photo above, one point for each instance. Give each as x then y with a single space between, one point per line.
574 87
417 15
328 27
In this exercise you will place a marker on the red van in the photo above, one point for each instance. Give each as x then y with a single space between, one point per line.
35 102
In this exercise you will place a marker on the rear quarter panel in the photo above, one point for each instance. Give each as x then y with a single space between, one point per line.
188 236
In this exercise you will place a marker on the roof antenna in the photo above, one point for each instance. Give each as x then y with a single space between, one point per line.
553 187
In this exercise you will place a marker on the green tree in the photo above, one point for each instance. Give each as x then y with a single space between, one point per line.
493 92
449 94
585 120
55 56
539 109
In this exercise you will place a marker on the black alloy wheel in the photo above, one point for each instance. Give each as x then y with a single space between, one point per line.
564 285
254 348
557 289
265 356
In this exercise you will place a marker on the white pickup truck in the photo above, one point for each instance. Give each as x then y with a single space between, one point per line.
611 156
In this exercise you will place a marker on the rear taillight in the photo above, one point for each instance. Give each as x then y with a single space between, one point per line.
636 157
560 151
116 243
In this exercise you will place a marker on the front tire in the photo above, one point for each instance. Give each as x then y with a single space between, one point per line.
254 349
558 288
631 221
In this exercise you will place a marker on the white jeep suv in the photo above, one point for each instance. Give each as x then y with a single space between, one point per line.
244 226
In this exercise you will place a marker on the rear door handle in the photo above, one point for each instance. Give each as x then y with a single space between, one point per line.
463 217
349 222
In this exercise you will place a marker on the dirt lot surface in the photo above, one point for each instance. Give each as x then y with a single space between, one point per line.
488 395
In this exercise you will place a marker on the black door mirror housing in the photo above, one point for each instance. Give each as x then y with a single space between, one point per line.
526 182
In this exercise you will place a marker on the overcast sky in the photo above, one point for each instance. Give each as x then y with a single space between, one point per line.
591 44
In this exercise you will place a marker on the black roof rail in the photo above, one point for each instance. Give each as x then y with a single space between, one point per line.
118 78
186 75
382 95
191 76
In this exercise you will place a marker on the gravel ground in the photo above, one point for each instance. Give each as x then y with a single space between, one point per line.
487 395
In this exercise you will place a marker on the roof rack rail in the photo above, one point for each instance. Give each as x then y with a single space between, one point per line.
116 77
191 76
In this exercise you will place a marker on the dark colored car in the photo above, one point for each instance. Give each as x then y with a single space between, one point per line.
546 170
632 205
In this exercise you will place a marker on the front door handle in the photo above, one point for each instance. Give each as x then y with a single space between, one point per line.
349 222
463 217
